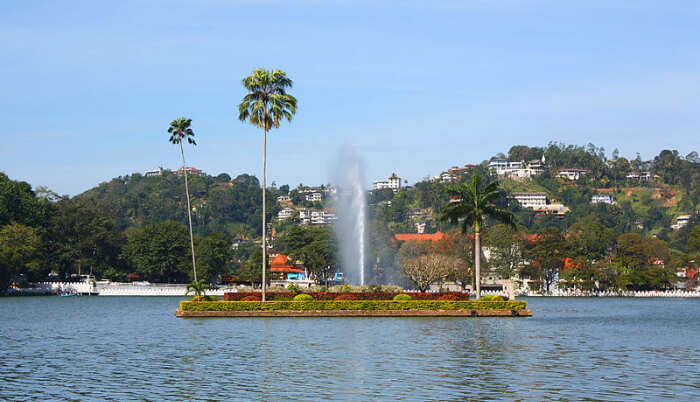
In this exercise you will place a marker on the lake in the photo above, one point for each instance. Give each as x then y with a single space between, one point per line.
128 348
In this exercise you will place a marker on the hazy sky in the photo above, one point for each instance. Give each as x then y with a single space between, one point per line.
89 87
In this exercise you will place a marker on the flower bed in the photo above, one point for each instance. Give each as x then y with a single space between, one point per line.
287 296
362 305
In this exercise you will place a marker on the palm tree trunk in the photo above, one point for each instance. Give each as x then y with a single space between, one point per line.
189 210
264 249
477 263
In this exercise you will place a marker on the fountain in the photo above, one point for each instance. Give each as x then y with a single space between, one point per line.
351 227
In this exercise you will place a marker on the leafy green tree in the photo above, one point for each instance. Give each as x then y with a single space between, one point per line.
179 130
160 252
694 240
590 241
250 269
81 237
266 103
314 245
474 204
20 248
215 256
19 204
640 258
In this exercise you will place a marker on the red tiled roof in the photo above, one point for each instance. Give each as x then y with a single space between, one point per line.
280 263
420 236
286 270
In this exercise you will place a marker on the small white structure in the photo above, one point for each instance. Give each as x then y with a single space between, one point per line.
643 176
517 170
681 222
314 197
530 200
601 199
285 214
154 172
283 198
553 208
393 183
571 174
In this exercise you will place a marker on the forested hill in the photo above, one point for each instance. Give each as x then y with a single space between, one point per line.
219 204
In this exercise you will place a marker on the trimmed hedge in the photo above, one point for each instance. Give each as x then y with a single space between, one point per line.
401 297
303 297
286 296
352 305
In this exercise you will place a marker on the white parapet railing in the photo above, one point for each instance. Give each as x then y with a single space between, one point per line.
123 289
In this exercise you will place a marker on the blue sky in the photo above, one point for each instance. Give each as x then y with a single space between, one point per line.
411 87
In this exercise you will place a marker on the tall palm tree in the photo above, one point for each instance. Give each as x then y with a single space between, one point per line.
474 203
266 103
180 129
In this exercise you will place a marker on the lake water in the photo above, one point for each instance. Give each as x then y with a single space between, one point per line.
134 348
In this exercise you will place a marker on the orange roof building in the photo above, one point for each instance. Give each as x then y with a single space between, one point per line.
280 263
282 269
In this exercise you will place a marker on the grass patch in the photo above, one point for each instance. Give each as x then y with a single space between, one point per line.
367 305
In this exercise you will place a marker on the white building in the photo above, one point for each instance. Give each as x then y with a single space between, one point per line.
283 198
285 214
393 183
530 200
681 222
154 172
538 202
601 199
517 170
643 176
191 171
571 174
448 177
314 197
317 217
304 216
553 208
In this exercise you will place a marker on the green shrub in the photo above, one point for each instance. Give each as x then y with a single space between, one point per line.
352 305
402 297
486 298
293 288
303 297
497 298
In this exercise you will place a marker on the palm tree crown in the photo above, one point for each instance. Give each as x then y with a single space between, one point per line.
474 202
180 129
267 101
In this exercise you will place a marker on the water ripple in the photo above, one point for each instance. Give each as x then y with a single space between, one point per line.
135 349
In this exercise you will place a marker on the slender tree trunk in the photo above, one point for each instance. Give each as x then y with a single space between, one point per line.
264 248
189 210
477 262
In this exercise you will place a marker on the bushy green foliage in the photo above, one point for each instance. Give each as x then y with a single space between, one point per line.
293 288
353 305
402 297
303 297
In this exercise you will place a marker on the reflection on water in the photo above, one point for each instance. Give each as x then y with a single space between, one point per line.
134 348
